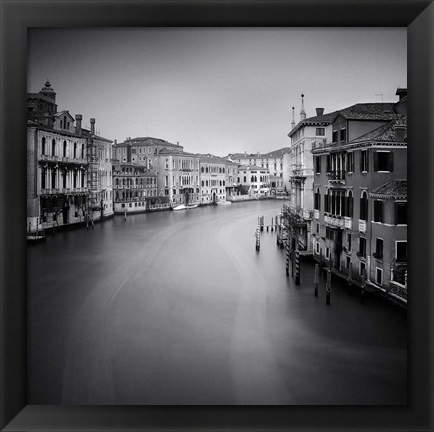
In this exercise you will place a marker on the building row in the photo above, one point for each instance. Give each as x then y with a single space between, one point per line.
77 176
348 191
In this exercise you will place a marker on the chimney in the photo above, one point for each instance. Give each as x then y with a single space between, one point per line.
116 141
92 126
399 130
319 111
302 112
78 118
245 154
293 119
401 92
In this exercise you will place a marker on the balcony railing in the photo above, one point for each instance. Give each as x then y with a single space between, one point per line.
362 226
348 222
336 221
336 177
63 159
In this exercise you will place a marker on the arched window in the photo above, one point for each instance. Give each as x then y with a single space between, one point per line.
82 151
364 206
64 179
43 176
206 170
350 204
53 147
82 179
75 150
202 170
53 178
74 179
43 146
64 122
64 148
203 183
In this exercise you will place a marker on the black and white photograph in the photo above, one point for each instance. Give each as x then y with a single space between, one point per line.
217 216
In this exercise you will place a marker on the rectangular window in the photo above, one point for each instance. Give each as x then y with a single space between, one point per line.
378 211
327 253
348 242
362 268
379 248
401 251
348 262
383 161
343 135
362 247
317 164
379 276
317 228
401 213
320 131
317 247
364 161
350 162
335 136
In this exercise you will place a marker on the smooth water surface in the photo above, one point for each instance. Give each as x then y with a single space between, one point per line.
179 308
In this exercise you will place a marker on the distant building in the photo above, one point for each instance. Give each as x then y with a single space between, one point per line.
360 195
231 178
177 175
212 179
141 150
273 161
255 179
135 189
58 166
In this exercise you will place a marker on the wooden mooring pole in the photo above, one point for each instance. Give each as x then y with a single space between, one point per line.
297 267
328 286
316 279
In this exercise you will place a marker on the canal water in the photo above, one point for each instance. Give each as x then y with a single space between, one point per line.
179 308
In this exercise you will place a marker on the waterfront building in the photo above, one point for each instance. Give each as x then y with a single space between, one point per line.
58 159
305 136
272 161
231 177
141 150
360 195
135 189
177 175
212 179
276 185
255 179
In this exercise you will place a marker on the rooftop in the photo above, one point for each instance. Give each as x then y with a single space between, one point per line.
393 189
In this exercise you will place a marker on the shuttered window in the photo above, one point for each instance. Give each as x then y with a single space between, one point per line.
383 161
401 213
378 211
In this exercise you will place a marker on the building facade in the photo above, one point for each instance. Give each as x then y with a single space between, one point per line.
360 195
304 137
177 175
231 178
255 179
212 179
58 163
272 161
135 189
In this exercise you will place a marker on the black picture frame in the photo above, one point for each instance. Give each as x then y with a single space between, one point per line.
16 17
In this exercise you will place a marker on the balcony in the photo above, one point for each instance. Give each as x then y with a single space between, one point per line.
362 226
348 222
336 178
335 221
62 159
316 214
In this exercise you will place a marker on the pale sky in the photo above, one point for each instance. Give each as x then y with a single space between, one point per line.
215 90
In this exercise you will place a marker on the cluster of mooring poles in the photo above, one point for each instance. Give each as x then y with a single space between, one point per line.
273 226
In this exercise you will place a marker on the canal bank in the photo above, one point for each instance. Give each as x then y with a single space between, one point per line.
179 308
